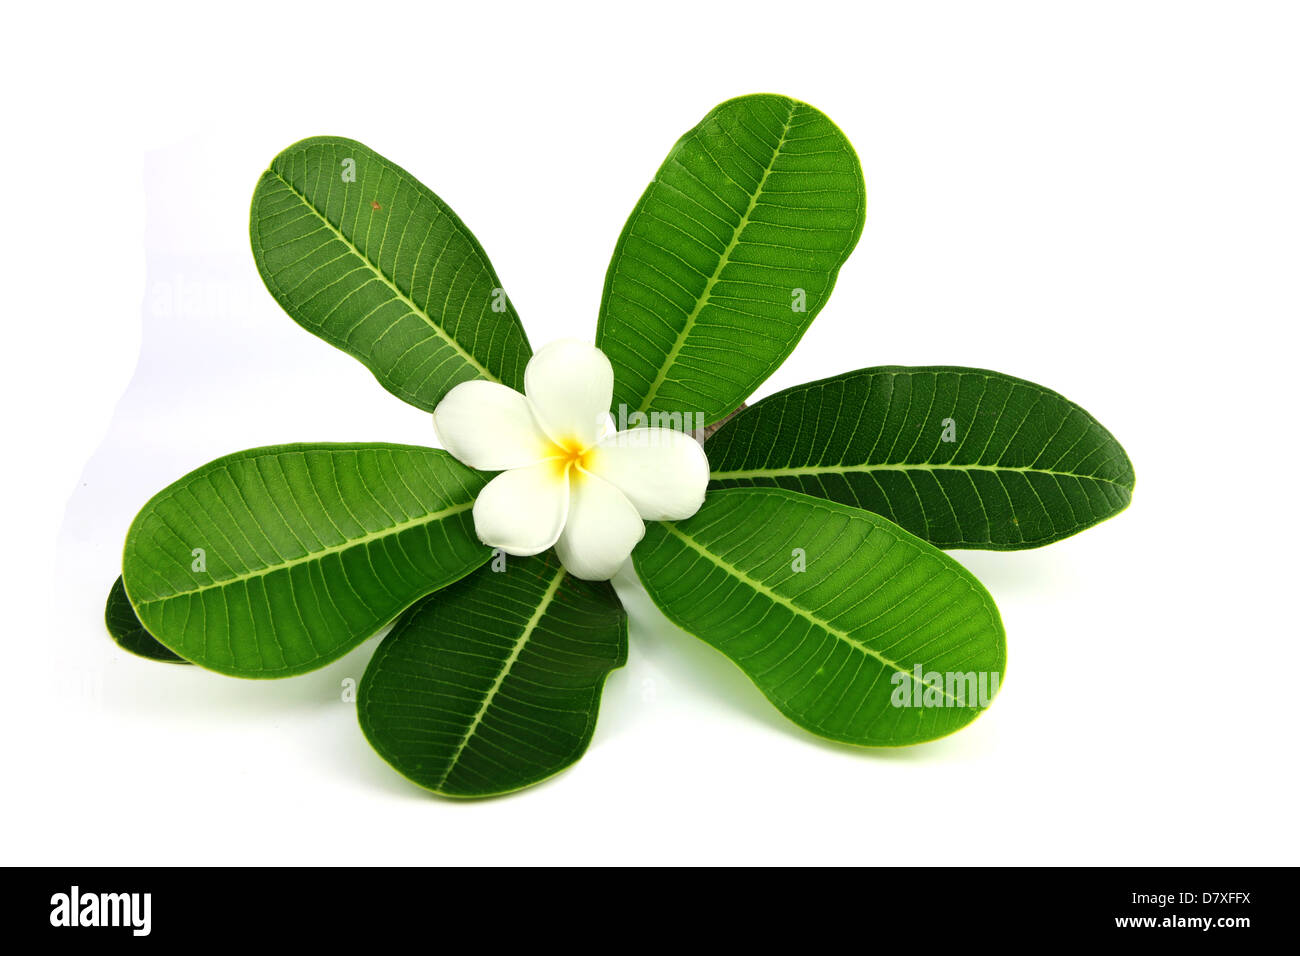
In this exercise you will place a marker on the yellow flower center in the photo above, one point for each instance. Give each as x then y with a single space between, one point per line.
567 454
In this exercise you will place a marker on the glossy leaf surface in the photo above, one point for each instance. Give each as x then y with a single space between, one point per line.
125 628
275 561
362 254
494 683
728 256
853 628
964 458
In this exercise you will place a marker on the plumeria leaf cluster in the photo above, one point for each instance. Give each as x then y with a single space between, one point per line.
804 538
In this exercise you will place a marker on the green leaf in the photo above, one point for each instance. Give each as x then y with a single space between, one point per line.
837 645
360 253
494 683
125 628
748 220
276 561
962 457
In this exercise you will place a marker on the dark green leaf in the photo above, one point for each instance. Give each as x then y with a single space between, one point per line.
964 458
494 683
728 256
362 254
130 635
276 561
880 639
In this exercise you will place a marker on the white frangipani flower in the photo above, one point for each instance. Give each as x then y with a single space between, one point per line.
568 479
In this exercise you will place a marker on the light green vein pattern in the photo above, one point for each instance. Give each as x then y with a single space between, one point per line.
825 644
494 683
763 197
306 550
363 255
1024 466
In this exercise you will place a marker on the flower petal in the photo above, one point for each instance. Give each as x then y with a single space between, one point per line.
570 384
522 511
490 427
601 531
607 428
663 472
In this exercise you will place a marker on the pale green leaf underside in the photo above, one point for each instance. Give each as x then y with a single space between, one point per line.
494 683
382 268
764 197
824 644
303 551
125 629
964 458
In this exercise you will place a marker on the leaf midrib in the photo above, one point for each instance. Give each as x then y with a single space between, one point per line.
316 555
884 466
506 667
723 261
807 615
383 277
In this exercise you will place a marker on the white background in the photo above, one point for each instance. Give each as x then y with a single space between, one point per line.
1100 197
